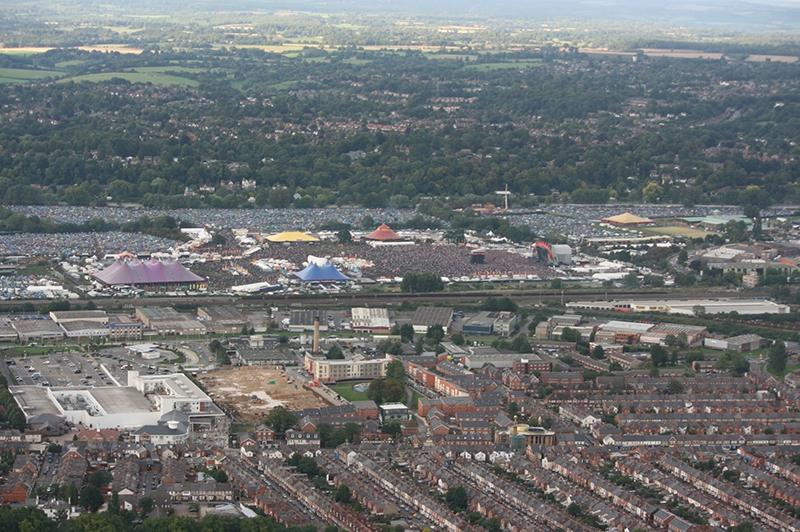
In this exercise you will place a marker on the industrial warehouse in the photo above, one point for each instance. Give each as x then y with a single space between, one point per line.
146 402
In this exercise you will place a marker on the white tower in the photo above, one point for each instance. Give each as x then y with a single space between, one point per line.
505 193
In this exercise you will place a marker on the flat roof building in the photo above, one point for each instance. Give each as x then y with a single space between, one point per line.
425 317
39 330
168 321
303 320
222 320
740 344
63 316
124 328
482 324
687 307
84 329
151 315
393 412
354 367
370 319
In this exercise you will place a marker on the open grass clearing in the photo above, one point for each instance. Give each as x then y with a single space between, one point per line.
136 77
676 230
26 50
123 29
790 368
346 391
357 61
525 63
21 74
452 56
73 62
168 68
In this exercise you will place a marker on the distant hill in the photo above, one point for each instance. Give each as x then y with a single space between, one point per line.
758 15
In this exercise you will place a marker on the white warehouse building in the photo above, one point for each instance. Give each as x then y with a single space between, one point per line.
144 402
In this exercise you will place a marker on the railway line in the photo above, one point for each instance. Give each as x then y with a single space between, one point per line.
525 297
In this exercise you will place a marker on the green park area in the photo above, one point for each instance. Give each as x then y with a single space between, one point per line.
347 391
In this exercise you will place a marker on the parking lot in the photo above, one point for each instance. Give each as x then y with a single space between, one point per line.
66 369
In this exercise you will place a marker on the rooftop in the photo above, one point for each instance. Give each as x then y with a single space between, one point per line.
627 326
224 313
159 313
81 325
64 315
433 316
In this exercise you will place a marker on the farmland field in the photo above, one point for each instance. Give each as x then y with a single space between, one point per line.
525 63
137 77
20 74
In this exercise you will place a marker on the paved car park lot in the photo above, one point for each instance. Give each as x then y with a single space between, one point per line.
81 369
60 369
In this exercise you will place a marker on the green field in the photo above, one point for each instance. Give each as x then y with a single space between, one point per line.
20 74
73 62
675 230
168 68
451 56
483 67
30 351
137 77
790 368
347 392
235 428
415 397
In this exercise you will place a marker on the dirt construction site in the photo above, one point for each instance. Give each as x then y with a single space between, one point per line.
249 393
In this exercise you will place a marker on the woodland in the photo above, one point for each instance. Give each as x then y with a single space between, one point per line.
251 110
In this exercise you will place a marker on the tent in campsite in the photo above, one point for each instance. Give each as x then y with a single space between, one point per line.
152 272
384 232
313 273
292 236
627 219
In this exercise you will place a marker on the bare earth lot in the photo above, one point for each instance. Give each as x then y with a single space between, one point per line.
248 391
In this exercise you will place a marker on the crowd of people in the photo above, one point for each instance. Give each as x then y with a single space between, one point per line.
71 244
16 286
264 220
596 212
386 262
544 224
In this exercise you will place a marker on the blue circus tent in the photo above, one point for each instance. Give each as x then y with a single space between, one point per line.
326 273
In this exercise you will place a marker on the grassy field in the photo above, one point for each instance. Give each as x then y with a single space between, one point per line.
484 67
451 56
20 74
675 230
30 351
235 428
34 269
416 396
137 77
168 68
357 61
347 392
790 368
73 62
